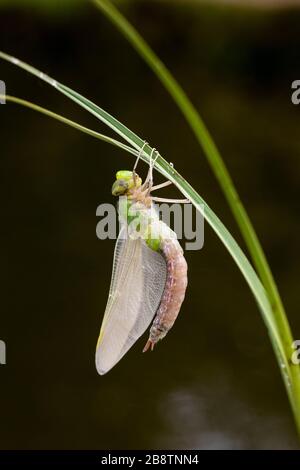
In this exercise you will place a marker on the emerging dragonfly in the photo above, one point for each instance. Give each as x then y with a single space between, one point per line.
149 275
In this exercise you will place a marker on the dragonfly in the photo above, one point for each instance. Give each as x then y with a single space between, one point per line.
149 276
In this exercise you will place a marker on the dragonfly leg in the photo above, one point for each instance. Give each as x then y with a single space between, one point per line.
148 345
162 185
149 179
138 158
174 201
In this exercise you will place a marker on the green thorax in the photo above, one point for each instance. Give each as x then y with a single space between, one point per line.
139 218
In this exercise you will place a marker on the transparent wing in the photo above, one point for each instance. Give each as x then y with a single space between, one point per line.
138 281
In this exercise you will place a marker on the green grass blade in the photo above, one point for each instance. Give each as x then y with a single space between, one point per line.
69 122
290 372
213 156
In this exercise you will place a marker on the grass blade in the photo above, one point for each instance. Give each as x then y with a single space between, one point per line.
213 156
290 372
69 122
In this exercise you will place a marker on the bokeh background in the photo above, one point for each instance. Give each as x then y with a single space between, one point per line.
214 382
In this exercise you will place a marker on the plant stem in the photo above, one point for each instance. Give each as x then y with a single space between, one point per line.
289 371
64 120
220 170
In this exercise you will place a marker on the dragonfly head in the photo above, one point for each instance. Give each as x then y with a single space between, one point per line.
125 181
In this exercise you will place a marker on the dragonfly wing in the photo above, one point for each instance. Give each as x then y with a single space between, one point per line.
138 281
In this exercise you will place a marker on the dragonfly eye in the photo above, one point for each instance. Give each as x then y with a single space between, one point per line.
120 187
126 180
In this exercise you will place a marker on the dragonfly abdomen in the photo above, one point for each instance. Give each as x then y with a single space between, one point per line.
174 291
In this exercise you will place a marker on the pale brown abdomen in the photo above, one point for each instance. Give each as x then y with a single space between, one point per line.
174 291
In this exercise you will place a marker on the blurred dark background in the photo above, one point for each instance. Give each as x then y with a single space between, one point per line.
214 382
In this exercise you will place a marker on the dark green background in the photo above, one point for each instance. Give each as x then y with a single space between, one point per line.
213 382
